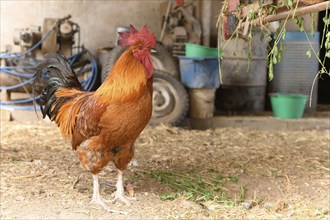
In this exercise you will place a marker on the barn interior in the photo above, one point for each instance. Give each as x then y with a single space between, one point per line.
237 130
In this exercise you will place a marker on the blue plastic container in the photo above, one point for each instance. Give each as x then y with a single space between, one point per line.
200 72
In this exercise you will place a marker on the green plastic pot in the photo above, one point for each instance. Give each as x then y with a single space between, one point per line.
288 106
196 50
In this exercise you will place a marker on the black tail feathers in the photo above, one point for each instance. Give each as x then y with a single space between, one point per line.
52 74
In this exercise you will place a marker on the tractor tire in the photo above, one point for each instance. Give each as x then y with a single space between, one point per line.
162 60
170 99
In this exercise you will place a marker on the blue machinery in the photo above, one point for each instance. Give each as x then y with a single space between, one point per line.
22 66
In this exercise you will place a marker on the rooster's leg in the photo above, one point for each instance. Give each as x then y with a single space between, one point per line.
97 199
119 194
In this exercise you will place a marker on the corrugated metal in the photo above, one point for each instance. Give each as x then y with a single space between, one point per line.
296 72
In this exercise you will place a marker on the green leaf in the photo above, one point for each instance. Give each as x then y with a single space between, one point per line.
327 54
271 71
249 56
280 53
296 21
301 24
169 196
313 24
284 34
309 53
275 50
301 28
251 15
327 45
269 38
312 32
277 33
290 3
274 60
234 179
250 34
323 70
262 36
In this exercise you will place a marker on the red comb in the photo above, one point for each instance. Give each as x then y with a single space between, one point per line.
128 39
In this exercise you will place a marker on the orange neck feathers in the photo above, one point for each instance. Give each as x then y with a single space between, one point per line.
126 80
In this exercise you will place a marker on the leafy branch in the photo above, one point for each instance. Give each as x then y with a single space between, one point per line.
277 49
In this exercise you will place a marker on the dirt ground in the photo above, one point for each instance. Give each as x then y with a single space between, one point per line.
265 175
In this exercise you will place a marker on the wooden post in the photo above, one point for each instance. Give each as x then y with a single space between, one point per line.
206 21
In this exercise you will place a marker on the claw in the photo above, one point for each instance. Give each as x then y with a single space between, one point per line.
98 200
119 193
101 203
117 196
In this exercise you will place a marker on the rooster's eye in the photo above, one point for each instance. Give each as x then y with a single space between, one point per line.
140 47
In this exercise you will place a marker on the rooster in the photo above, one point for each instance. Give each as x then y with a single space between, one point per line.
102 125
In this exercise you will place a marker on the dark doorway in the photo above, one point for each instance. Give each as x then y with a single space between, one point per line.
324 82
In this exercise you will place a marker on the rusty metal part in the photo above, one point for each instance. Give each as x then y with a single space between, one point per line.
61 39
50 44
180 27
66 35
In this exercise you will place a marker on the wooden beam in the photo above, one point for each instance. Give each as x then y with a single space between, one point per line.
299 12
254 7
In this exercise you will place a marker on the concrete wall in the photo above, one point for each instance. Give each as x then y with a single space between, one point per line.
97 19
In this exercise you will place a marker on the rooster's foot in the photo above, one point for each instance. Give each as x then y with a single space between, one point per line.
101 202
119 193
98 200
120 196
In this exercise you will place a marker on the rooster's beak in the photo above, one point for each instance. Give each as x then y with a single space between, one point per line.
153 51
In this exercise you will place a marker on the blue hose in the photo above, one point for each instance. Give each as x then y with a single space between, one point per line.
17 85
20 74
30 64
16 67
17 107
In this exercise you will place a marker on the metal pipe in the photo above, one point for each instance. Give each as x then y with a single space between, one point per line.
165 20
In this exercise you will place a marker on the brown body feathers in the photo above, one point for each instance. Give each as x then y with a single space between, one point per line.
102 125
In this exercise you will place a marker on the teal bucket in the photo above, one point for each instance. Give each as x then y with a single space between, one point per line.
196 50
288 106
